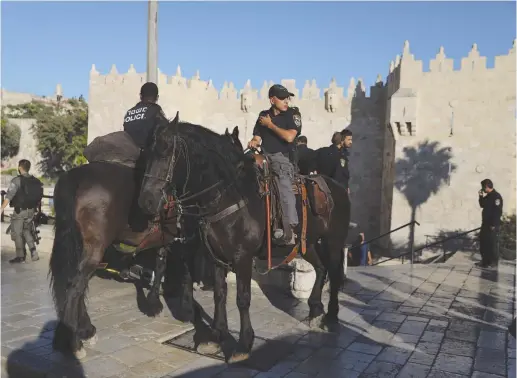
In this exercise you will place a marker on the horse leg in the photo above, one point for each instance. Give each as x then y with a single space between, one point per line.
335 269
219 329
187 295
87 331
316 308
246 335
66 336
153 298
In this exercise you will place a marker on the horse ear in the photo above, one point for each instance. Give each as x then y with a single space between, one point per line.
176 119
235 132
227 133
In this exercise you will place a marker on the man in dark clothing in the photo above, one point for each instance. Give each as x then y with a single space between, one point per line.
275 131
306 156
141 119
140 122
332 161
24 193
345 151
492 204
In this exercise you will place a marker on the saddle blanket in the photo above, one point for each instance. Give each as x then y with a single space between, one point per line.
117 147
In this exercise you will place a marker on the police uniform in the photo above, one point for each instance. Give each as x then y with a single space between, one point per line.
333 162
492 205
140 121
21 220
306 159
282 155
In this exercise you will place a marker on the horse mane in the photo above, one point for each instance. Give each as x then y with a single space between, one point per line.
218 149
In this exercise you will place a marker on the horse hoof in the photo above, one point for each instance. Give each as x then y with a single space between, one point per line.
80 354
209 348
155 307
317 322
91 341
330 327
238 357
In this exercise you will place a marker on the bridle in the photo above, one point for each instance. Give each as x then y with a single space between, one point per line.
176 202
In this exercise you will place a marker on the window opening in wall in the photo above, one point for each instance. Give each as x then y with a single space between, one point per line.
398 127
409 128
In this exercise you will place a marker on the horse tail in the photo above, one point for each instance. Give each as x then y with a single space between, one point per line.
67 250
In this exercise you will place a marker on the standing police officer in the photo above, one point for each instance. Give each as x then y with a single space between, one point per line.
345 153
24 194
275 131
306 156
140 122
492 204
332 161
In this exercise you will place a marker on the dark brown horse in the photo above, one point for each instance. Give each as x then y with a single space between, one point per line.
218 192
92 203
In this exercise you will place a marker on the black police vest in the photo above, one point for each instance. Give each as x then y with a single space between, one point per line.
140 121
28 194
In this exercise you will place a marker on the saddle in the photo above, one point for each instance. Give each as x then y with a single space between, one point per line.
313 190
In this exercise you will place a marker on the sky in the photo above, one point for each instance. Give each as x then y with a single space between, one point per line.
45 43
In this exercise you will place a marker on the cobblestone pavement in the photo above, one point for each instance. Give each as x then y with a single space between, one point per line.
396 321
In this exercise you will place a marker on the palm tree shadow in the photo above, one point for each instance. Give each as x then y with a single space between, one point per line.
421 173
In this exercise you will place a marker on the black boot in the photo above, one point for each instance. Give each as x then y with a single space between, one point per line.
17 260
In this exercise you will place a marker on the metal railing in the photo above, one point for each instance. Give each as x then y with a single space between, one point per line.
410 224
412 252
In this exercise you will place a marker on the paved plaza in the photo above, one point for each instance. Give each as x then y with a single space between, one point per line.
441 320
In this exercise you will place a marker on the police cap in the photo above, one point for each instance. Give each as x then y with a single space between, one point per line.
280 92
149 90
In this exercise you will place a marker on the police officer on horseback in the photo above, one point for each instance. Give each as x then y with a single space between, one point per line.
24 194
141 119
275 131
140 122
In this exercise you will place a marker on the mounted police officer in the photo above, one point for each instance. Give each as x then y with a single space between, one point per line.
140 122
24 194
141 119
275 131
492 204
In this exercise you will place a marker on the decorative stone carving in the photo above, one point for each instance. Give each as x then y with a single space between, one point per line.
246 97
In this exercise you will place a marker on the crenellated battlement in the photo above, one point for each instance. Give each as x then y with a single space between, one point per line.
177 82
406 71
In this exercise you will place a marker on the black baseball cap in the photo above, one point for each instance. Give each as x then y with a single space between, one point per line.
279 91
149 90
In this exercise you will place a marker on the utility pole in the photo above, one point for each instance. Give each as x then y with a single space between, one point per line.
152 42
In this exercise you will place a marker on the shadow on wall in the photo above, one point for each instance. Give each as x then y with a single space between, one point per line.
366 161
464 243
421 173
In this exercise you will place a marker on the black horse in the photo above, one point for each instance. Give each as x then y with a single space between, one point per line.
216 191
92 204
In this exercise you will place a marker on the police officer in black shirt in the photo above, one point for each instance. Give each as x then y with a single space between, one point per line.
346 144
492 204
306 156
275 131
141 119
140 122
332 161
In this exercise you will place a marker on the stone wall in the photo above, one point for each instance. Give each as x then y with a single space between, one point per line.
452 129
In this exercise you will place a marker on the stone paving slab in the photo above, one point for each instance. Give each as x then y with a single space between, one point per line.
397 321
